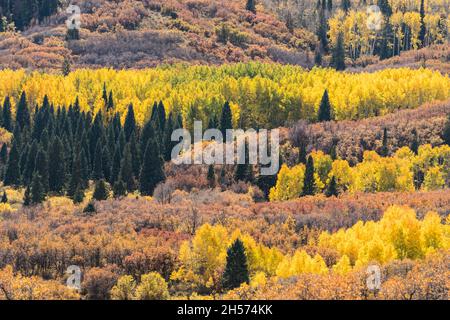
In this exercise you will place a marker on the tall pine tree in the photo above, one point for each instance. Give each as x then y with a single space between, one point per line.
7 122
325 108
130 123
309 184
57 173
23 113
338 54
236 269
152 172
12 174
226 120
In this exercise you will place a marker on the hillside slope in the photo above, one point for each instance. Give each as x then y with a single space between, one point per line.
123 34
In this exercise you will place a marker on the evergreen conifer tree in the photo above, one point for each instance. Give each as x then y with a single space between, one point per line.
338 54
251 6
23 113
226 121
97 171
152 172
332 188
4 197
130 123
236 269
57 172
101 191
211 177
37 190
325 108
126 170
42 169
7 122
309 184
446 133
119 189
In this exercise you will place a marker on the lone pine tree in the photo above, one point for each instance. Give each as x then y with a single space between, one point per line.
101 191
4 197
309 184
236 269
325 108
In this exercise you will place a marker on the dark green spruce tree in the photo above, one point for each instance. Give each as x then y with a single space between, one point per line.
7 122
130 123
23 113
119 189
251 6
4 154
42 169
76 181
97 171
27 197
4 197
332 188
236 269
126 170
115 169
325 108
338 54
101 191
211 176
309 183
384 147
12 174
226 120
446 133
423 30
37 190
152 172
415 142
321 32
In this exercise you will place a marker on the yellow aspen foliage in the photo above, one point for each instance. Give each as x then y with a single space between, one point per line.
343 266
258 280
203 256
289 183
124 289
432 232
152 287
434 179
14 286
203 259
301 263
322 166
343 173
260 95
399 234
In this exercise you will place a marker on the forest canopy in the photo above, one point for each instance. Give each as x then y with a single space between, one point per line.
260 95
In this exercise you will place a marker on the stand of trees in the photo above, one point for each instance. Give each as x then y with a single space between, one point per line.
58 151
23 12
